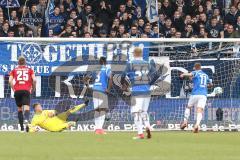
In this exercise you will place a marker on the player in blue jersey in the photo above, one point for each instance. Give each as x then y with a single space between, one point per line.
101 88
198 98
137 70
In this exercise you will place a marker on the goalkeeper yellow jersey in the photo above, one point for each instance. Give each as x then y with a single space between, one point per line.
43 120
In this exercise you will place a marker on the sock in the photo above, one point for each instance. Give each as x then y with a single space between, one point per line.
138 122
199 118
76 108
20 119
96 119
145 119
186 114
26 115
102 119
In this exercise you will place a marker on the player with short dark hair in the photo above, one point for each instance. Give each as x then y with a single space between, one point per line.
23 82
101 89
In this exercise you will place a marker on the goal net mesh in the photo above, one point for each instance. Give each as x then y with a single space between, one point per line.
60 68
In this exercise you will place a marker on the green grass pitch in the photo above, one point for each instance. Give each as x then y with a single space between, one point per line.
119 146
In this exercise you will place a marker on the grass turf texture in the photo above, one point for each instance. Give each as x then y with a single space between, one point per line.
119 146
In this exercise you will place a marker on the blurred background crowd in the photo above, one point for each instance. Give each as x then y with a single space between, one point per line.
120 18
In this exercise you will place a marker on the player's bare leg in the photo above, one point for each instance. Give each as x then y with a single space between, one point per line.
186 117
99 118
139 124
199 119
145 119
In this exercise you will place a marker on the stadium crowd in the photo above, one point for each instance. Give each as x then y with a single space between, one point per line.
121 19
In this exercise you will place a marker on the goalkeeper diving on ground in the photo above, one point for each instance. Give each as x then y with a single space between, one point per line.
50 121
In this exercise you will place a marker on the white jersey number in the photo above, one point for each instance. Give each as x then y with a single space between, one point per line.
203 80
141 73
22 76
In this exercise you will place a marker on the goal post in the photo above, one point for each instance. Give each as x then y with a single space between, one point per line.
61 64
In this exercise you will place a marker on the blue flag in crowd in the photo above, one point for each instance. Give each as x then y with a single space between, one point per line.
152 10
9 3
49 10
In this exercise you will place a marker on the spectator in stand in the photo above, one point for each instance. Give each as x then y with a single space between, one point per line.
134 33
20 31
231 17
137 13
178 35
87 35
166 31
122 10
99 26
103 34
173 31
237 26
63 12
130 8
121 31
10 33
209 10
104 12
68 5
120 18
67 32
115 24
188 31
178 21
229 32
161 20
155 33
215 30
87 15
113 33
167 9
4 30
144 35
217 14
126 20
41 7
35 18
73 15
148 31
79 28
29 33
56 21
141 24
202 33
79 6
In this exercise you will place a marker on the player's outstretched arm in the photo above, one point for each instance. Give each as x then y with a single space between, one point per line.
186 75
33 127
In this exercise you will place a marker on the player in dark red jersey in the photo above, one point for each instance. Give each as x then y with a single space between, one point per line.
23 81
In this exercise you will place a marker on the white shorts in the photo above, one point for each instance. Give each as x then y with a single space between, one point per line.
197 101
100 100
140 103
